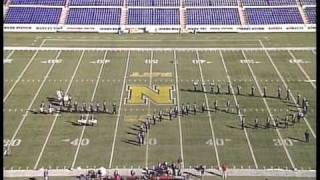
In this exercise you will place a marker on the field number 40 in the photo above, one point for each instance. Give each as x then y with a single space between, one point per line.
286 142
219 142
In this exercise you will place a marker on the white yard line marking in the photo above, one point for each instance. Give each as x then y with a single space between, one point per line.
22 73
302 70
209 114
146 40
119 111
10 54
267 106
286 86
153 49
178 103
30 105
150 86
56 116
314 52
240 115
92 98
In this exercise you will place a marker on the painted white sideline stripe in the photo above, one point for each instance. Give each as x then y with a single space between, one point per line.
23 71
209 114
302 70
154 49
240 115
286 86
267 106
56 116
119 111
92 98
30 105
178 102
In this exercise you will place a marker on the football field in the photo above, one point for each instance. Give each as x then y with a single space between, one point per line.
146 74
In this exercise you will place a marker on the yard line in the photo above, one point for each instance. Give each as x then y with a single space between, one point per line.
23 71
31 103
240 115
286 86
119 111
314 52
302 70
150 86
56 116
178 103
209 114
10 54
92 98
267 106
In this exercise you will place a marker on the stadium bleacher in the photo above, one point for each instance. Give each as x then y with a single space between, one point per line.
153 16
94 16
39 2
311 14
153 2
96 3
204 12
268 2
308 2
273 16
33 15
213 16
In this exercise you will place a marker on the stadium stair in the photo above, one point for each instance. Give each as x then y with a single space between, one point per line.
64 15
67 3
124 13
8 3
5 10
303 14
243 19
183 19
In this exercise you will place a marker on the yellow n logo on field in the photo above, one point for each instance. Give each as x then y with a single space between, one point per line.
139 94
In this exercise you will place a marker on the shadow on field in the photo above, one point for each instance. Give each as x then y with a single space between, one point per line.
213 173
233 127
129 141
72 123
296 139
131 133
191 174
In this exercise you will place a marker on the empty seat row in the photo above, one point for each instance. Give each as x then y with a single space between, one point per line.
95 16
96 3
268 2
213 16
39 2
153 2
273 16
153 16
311 14
35 15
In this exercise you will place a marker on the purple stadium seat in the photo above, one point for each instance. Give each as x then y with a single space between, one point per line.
213 16
157 16
311 14
96 3
32 15
268 2
39 2
96 16
153 2
273 16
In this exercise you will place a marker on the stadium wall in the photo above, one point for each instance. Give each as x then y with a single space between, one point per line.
157 29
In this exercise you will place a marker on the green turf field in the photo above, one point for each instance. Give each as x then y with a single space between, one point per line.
209 138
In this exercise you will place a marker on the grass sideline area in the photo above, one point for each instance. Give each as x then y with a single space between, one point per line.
209 138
